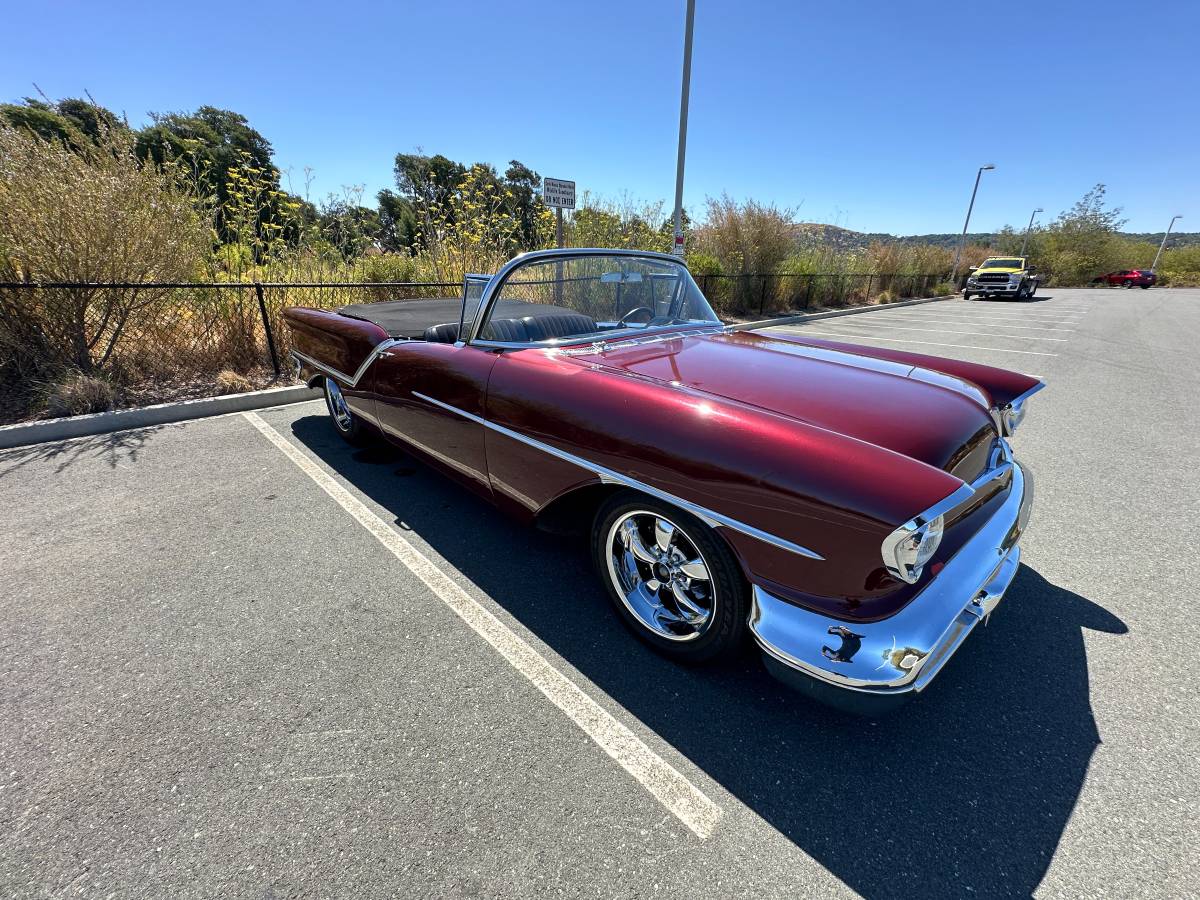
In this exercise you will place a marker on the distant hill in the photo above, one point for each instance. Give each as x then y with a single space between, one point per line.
815 234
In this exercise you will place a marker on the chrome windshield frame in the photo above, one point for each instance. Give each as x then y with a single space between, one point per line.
492 291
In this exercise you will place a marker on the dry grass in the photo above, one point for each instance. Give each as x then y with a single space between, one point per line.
231 382
79 394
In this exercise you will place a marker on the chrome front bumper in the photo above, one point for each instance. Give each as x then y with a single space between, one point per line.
900 655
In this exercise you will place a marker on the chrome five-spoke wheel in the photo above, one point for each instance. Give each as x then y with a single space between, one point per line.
661 575
347 425
670 576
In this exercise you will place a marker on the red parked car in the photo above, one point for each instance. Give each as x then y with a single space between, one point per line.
855 509
1128 278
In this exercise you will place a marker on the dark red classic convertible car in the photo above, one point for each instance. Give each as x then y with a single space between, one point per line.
856 509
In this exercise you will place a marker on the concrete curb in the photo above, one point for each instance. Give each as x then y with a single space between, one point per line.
26 433
834 313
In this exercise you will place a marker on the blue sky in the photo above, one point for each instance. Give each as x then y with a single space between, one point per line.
871 114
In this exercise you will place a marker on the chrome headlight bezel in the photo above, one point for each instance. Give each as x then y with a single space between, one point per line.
1012 416
1013 413
907 549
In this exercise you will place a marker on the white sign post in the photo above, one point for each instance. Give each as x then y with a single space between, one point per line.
560 195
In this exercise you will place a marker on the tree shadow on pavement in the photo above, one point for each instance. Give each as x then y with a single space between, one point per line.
965 790
114 448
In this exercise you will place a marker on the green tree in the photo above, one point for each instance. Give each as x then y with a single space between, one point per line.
1083 241
222 150
73 122
525 202
397 222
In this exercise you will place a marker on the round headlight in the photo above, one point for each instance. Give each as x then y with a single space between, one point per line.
910 546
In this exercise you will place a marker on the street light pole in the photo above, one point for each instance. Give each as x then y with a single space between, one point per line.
683 118
1163 245
962 241
1028 228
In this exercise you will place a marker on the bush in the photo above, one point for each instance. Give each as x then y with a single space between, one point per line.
701 264
93 214
78 394
230 382
885 297
386 267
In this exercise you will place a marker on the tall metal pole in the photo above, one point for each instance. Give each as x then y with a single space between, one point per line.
1163 245
1028 228
683 118
962 241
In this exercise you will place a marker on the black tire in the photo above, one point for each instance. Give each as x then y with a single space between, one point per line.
966 296
729 600
1144 287
1126 283
345 423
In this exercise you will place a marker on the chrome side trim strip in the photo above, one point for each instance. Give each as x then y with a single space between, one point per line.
348 380
609 476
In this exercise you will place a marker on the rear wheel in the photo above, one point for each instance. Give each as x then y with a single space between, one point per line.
1126 283
673 581
348 425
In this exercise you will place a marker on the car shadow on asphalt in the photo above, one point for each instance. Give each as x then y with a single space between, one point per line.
967 789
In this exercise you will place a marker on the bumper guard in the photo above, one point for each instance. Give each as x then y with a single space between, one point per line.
900 655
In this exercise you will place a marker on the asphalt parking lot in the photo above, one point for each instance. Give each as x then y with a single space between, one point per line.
242 658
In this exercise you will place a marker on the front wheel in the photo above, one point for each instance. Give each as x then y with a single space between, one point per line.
1145 287
348 425
966 296
1126 283
673 581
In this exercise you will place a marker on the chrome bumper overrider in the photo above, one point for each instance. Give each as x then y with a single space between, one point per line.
902 654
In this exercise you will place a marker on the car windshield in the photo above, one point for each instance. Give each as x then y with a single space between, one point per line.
1002 264
593 296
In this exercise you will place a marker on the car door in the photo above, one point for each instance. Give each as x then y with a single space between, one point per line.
452 373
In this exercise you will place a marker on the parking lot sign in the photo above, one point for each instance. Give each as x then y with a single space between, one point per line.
559 194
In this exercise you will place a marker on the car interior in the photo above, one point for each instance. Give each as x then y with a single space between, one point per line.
437 319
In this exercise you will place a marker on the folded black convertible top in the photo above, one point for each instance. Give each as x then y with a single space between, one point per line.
410 318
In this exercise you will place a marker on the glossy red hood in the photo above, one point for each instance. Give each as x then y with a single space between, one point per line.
919 412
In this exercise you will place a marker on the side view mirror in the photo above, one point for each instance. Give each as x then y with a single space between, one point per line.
972 268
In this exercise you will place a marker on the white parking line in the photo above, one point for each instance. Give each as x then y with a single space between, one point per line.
1012 314
1001 318
948 320
850 337
660 778
941 330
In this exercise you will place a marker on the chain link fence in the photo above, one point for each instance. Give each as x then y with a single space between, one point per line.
767 295
146 333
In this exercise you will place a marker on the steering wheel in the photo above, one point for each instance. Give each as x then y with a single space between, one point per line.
637 309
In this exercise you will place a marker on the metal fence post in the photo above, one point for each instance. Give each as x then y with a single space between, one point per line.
266 320
762 295
867 298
